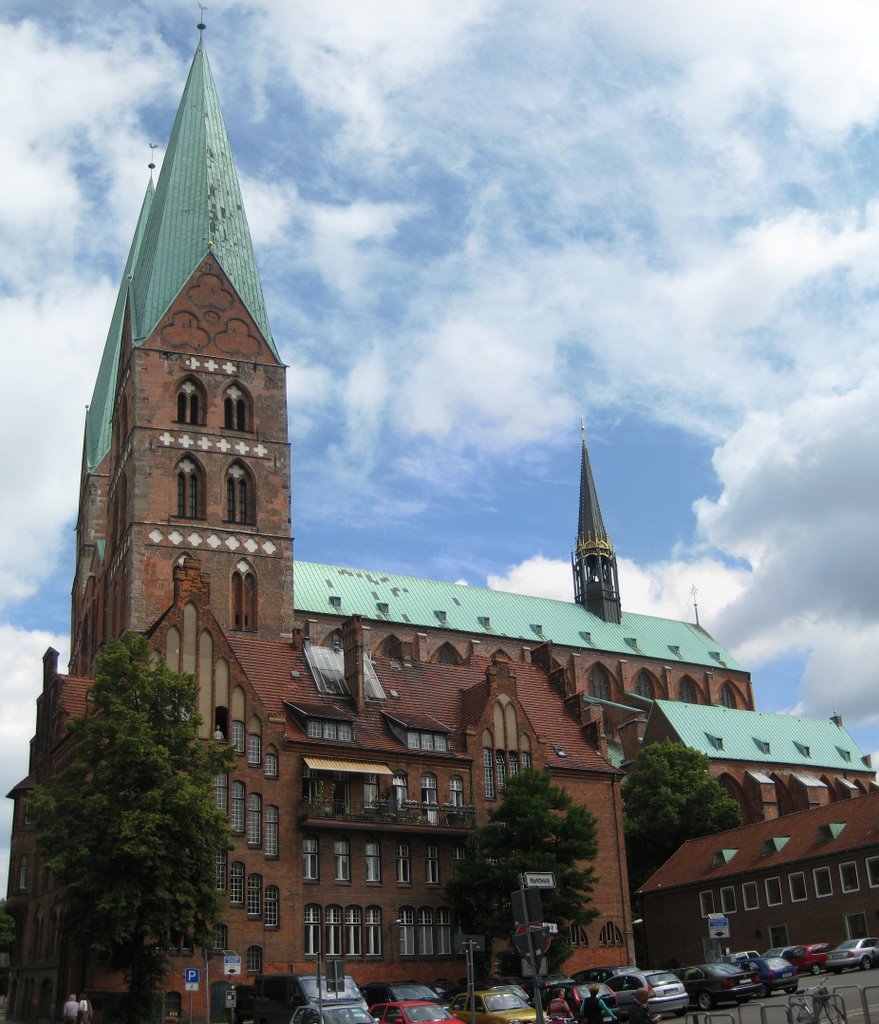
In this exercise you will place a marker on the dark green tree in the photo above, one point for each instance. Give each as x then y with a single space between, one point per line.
129 827
537 826
670 796
7 929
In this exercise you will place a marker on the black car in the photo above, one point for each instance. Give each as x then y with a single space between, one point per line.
710 984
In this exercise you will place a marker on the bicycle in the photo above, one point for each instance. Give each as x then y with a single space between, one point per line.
817 1005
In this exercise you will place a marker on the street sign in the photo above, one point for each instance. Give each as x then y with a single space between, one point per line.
335 975
540 939
231 962
539 880
191 978
718 926
527 906
461 943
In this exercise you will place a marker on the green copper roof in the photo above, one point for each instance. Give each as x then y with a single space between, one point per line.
759 736
330 589
99 419
197 210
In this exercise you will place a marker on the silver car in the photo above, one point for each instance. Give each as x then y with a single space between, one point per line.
853 953
666 991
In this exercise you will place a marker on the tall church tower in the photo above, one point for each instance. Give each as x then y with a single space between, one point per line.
594 562
186 450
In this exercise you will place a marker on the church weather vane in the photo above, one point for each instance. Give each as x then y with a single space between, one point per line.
201 25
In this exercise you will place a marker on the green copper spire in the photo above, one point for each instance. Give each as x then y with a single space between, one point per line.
197 210
99 419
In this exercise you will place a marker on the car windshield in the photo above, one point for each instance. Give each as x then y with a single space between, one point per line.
346 1015
776 963
662 978
414 992
504 1001
718 969
426 1011
848 944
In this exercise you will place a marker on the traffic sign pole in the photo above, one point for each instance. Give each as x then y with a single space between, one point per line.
532 959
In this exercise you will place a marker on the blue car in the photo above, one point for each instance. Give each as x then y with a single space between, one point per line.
773 973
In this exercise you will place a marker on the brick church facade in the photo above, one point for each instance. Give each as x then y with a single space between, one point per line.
375 718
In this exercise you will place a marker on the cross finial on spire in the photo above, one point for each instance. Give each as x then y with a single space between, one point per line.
582 430
201 25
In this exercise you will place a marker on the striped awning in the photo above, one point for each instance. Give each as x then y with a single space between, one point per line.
331 764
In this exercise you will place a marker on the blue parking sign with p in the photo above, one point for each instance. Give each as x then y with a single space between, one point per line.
191 978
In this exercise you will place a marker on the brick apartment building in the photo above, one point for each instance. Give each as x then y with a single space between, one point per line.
375 717
811 876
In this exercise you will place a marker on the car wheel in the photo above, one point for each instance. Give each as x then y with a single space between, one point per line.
815 969
791 989
865 963
705 1001
763 991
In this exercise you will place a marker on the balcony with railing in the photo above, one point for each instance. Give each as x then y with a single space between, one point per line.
388 813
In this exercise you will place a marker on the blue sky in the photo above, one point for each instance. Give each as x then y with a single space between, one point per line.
475 223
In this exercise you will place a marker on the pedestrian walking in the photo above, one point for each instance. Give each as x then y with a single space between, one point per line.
85 1010
70 1013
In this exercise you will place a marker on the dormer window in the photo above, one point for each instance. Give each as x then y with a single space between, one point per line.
330 729
422 739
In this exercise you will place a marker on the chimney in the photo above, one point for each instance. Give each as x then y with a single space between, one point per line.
352 652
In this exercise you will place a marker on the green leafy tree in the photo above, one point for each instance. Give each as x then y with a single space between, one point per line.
7 929
537 826
129 827
670 796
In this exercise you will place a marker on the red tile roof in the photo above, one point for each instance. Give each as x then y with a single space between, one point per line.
693 862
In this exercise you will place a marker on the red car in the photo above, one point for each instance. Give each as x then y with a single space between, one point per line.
411 1011
809 959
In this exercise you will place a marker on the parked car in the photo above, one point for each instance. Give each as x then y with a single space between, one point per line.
411 1011
493 1006
276 997
601 973
395 991
709 984
774 973
745 954
574 995
852 953
666 991
809 959
782 951
347 1013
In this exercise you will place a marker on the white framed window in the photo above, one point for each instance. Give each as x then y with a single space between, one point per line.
310 859
425 931
271 840
254 820
270 765
407 931
373 931
238 737
333 929
773 891
855 925
254 895
823 882
221 791
221 867
728 899
312 930
236 818
431 864
443 932
254 959
797 885
254 749
373 853
272 906
404 863
706 902
750 897
872 864
342 860
848 877
236 884
456 791
488 772
353 931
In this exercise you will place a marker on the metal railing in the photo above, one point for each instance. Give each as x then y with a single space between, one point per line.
386 812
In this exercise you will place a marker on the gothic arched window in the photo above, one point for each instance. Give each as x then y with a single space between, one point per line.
236 409
599 683
244 597
728 696
190 489
644 685
190 402
240 496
